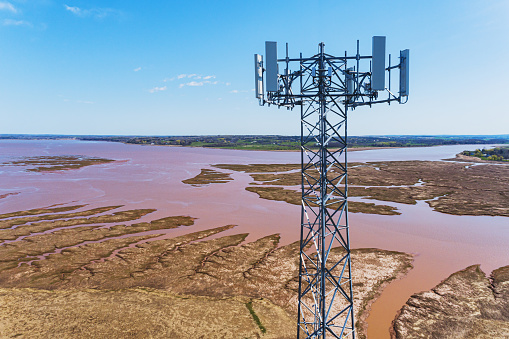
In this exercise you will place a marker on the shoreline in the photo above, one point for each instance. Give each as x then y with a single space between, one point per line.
349 149
467 158
363 324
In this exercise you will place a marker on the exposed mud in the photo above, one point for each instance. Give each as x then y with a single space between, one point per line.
255 282
56 163
465 305
447 187
207 177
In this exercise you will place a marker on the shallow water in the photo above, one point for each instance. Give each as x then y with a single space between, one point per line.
150 177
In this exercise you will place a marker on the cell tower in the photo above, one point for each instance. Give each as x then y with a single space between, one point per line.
326 87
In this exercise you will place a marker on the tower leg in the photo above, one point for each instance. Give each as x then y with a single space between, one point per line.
325 284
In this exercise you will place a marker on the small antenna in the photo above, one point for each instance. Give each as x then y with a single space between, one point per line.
259 77
403 72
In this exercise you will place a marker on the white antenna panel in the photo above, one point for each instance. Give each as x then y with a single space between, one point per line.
271 66
378 64
403 72
349 81
258 76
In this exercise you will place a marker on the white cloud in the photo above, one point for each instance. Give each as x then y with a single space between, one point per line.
98 13
193 76
157 89
238 91
199 83
75 10
7 6
194 83
137 69
197 80
10 22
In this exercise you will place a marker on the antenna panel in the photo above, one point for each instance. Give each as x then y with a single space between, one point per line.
349 81
378 65
403 72
271 65
258 76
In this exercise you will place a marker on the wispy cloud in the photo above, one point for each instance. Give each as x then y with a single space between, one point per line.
7 6
197 80
98 13
199 83
157 89
75 10
88 102
10 22
137 69
190 76
235 91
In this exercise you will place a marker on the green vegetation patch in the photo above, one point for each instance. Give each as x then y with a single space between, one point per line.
249 306
492 154
284 142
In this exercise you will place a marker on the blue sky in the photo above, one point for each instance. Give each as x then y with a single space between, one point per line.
186 67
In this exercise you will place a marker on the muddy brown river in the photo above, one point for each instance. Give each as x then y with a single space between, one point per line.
150 177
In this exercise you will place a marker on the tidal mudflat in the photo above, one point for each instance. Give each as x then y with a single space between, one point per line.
72 263
468 304
144 178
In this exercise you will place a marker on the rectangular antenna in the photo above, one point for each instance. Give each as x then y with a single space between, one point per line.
403 72
349 80
271 66
378 65
258 76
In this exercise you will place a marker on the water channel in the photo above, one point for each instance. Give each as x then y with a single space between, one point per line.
150 177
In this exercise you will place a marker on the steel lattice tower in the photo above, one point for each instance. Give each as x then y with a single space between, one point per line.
325 88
